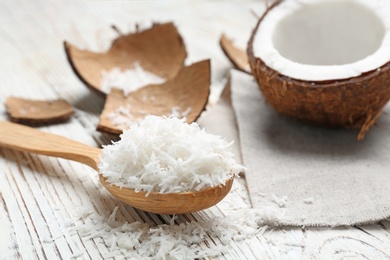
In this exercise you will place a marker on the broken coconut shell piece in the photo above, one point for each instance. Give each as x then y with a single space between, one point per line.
36 112
185 95
324 62
236 56
159 50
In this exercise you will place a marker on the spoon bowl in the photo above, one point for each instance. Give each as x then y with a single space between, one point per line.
27 139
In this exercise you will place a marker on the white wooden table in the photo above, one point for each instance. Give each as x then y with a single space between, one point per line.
40 196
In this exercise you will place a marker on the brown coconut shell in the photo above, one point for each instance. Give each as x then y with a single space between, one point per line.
349 103
236 56
36 112
190 88
159 50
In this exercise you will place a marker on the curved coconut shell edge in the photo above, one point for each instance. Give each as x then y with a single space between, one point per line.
37 112
236 56
159 50
188 91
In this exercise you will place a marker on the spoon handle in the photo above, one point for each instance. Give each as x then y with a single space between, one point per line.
27 139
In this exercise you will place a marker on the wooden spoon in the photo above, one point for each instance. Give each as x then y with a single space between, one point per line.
27 139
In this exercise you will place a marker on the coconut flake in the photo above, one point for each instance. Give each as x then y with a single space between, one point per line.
122 116
128 80
176 112
138 240
308 201
167 155
280 201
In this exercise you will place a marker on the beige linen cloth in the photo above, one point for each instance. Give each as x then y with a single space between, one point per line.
317 176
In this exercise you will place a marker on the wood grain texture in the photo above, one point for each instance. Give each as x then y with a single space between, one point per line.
43 200
28 139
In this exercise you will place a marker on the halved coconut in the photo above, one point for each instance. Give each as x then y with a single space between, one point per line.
159 50
324 61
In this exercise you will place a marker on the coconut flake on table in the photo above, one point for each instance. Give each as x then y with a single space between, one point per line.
128 80
308 201
138 240
167 155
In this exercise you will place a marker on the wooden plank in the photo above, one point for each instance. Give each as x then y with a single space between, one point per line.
45 202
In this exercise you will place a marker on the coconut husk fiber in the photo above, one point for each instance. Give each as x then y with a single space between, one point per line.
350 103
159 50
36 112
187 91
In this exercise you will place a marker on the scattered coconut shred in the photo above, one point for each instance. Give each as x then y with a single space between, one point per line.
128 80
190 240
167 155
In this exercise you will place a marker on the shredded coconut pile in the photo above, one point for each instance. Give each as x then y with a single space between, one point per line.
191 240
128 80
167 155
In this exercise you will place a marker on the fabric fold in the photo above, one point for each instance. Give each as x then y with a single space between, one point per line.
319 176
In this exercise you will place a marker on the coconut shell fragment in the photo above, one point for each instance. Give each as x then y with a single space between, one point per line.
185 95
354 102
236 56
159 50
36 112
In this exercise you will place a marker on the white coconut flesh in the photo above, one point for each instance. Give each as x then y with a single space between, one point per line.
317 40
